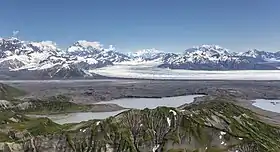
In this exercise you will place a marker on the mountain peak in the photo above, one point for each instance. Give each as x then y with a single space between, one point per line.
255 53
85 48
211 46
11 40
87 44
111 48
207 50
146 52
45 45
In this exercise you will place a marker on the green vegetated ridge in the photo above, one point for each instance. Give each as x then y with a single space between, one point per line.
212 126
17 127
59 104
7 92
50 105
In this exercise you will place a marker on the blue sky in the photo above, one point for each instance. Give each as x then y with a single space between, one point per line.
169 25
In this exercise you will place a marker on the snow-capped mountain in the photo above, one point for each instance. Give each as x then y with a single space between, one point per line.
213 57
147 55
209 50
25 57
261 55
169 57
17 55
95 50
46 60
206 53
44 46
85 48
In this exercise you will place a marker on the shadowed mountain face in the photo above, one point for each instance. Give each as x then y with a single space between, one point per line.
44 60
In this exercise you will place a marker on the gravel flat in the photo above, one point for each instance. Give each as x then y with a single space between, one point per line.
88 91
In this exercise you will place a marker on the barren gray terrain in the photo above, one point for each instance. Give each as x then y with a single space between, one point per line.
91 91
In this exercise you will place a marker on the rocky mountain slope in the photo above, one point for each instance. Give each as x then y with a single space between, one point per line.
45 60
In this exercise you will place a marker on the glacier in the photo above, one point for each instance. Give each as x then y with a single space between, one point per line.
151 71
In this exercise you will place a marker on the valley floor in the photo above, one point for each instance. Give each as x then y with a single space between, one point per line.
93 91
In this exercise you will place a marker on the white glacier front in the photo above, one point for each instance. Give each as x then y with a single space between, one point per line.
149 70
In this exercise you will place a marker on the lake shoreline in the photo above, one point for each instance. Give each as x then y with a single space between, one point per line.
126 103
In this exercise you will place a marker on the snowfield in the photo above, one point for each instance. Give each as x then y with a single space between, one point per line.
149 70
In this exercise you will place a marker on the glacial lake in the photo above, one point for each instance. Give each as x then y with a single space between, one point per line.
136 103
78 117
269 105
151 103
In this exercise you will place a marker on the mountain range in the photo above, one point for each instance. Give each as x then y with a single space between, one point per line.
45 60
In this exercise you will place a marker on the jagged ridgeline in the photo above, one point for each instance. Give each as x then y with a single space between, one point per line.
217 125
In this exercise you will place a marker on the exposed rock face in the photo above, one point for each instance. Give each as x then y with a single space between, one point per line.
213 125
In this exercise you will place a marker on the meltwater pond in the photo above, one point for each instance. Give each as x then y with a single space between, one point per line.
269 105
136 103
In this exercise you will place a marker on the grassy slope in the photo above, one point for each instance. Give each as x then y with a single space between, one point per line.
53 105
11 123
196 128
199 125
7 92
